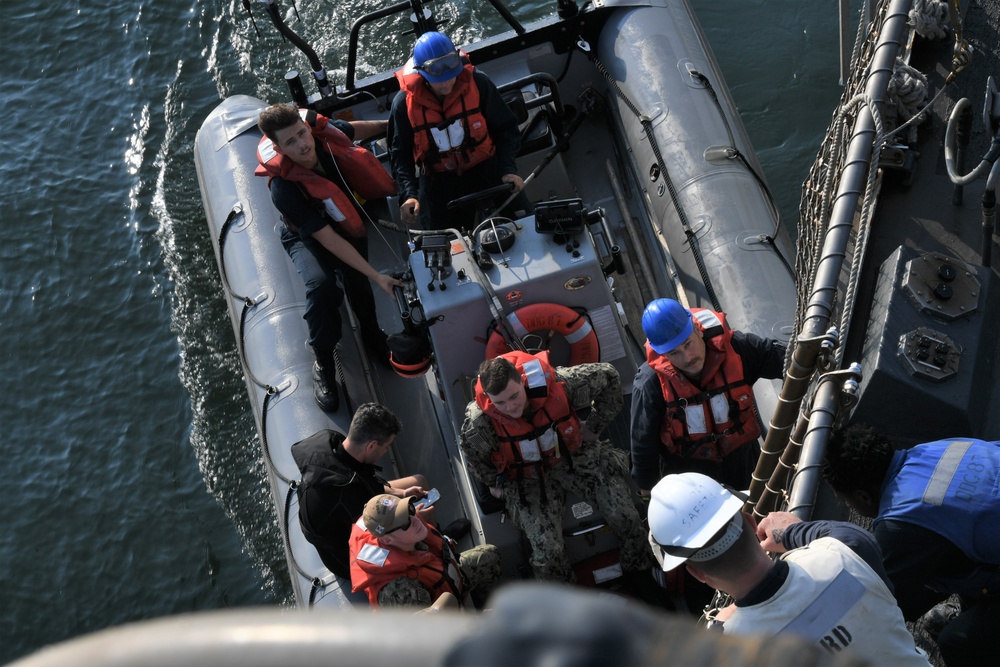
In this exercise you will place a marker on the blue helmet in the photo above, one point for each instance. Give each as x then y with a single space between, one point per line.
436 58
666 324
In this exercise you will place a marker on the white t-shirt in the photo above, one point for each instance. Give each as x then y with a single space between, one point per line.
833 598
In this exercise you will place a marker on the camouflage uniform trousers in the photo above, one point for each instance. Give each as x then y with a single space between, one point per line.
480 572
599 477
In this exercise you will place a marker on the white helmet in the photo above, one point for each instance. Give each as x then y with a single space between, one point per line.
685 512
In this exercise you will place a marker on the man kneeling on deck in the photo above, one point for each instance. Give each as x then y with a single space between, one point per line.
399 559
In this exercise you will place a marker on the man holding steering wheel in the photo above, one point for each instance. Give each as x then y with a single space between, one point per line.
449 121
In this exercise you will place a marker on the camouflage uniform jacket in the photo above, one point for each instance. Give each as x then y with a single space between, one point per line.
594 386
480 568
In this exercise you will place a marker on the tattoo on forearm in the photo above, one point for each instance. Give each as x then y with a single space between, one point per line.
778 535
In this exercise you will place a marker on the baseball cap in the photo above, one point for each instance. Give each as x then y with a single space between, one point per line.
385 513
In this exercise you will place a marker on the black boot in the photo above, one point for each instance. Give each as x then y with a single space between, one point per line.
457 529
378 348
325 386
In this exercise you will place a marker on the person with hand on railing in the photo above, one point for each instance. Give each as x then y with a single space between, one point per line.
937 521
826 591
449 121
318 179
692 401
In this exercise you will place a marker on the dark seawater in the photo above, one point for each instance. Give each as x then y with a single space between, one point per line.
134 485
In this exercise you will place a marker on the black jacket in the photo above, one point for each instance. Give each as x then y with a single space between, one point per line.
334 489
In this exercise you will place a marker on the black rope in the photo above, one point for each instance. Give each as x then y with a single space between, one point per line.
248 302
342 378
647 127
270 391
565 71
317 583
234 213
241 344
263 436
753 172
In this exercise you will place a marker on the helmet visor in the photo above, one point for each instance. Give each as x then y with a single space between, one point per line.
669 557
442 65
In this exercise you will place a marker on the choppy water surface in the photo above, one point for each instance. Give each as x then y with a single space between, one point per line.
134 485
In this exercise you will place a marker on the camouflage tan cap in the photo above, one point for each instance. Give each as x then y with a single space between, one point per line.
385 513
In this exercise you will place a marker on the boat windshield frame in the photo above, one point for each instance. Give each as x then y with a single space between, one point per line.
423 20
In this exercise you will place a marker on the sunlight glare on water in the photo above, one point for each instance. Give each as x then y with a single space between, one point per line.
139 489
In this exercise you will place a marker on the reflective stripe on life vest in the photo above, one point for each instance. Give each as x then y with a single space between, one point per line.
571 325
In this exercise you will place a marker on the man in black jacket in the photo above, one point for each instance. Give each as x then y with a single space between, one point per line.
340 475
316 176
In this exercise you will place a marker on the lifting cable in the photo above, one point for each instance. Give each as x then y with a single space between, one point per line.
248 303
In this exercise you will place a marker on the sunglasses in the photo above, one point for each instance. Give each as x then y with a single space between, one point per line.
413 511
442 64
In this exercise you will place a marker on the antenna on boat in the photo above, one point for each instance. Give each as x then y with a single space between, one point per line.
319 72
422 19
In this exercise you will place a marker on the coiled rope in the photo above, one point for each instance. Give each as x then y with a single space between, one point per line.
930 18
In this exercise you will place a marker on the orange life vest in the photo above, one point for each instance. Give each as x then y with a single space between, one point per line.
709 422
456 122
526 447
361 171
373 566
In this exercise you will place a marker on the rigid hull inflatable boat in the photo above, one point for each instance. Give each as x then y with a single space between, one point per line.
644 185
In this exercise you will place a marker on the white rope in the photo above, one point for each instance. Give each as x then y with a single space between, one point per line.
908 91
930 18
864 220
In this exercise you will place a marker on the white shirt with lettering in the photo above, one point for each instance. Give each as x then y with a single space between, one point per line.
831 597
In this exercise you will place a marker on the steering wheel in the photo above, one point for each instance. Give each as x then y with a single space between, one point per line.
481 195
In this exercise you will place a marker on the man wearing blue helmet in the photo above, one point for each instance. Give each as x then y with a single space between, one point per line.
692 401
449 121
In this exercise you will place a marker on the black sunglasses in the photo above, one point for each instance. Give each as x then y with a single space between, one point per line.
413 511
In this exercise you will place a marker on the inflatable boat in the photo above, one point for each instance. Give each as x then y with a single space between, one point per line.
643 183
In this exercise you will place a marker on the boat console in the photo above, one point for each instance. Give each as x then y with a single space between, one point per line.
541 282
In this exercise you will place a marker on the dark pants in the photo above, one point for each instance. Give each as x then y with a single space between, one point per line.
318 269
735 470
437 189
971 638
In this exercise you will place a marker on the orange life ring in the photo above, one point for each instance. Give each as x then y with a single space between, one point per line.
571 325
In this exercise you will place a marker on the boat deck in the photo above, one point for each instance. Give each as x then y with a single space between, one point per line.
918 209
582 171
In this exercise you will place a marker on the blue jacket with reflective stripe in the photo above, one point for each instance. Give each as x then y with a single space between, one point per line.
950 487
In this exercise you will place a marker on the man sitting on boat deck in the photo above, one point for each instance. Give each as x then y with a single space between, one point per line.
522 438
450 121
316 175
937 521
339 475
692 401
399 559
831 590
